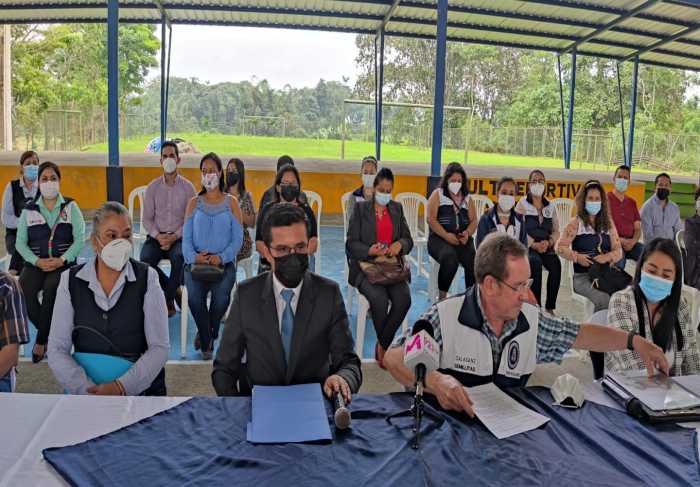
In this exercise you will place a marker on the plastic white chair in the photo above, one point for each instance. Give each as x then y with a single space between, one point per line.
361 323
314 198
680 243
587 304
482 203
433 291
139 193
565 210
346 202
412 203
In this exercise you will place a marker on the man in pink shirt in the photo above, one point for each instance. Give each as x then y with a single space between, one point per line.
163 217
625 215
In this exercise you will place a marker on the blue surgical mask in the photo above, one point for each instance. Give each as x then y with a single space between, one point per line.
593 207
31 172
621 184
382 199
655 288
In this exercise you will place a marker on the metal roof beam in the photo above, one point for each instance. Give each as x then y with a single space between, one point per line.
631 13
388 16
683 32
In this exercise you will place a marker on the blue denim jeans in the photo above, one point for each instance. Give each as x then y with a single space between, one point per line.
208 319
6 382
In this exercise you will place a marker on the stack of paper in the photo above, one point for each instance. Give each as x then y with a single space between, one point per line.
501 414
288 414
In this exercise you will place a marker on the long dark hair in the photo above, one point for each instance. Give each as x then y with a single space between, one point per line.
668 323
219 166
454 168
278 179
602 219
240 168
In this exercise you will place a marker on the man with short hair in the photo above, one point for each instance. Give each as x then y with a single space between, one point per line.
661 217
290 323
491 334
625 215
13 331
164 208
270 193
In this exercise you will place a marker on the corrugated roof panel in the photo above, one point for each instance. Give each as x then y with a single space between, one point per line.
648 25
660 58
675 11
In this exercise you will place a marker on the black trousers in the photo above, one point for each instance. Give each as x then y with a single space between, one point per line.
450 257
32 280
151 254
386 320
551 262
16 261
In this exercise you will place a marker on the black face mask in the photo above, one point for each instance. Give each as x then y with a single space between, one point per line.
290 192
291 268
662 193
232 178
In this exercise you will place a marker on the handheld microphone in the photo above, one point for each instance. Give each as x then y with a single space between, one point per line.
342 413
421 353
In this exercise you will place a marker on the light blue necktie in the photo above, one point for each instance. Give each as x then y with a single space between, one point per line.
287 322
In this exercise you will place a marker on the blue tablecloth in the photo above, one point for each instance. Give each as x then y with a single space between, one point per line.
202 442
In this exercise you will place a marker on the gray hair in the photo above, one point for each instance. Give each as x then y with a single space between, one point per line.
492 256
108 208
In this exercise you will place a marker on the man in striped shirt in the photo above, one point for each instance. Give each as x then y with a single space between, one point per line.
13 330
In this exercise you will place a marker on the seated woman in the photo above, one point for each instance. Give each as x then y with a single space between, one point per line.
15 332
235 186
542 227
452 221
590 237
655 299
368 170
18 193
378 228
691 253
111 305
211 240
502 217
288 190
50 236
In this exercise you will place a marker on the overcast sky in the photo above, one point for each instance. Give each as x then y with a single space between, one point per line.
296 57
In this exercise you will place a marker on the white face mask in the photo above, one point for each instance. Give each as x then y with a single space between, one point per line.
454 187
210 181
537 189
116 253
506 201
368 180
169 165
49 189
382 199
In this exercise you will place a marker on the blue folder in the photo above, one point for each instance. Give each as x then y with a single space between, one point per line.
102 368
288 414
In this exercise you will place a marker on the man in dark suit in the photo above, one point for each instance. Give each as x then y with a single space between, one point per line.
290 322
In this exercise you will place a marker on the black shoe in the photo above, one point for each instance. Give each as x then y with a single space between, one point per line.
197 342
36 358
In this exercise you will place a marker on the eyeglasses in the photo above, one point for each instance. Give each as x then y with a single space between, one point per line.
283 250
537 181
520 287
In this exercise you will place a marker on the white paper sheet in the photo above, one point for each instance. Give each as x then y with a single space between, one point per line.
501 414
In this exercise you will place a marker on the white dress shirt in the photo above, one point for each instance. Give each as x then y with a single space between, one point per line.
277 287
140 376
8 207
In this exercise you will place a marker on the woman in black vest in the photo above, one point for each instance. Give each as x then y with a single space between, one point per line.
452 220
18 193
50 236
111 305
542 227
378 228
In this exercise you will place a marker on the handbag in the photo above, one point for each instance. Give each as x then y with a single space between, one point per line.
207 272
385 271
607 278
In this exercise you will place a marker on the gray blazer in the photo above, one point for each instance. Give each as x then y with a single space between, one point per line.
322 344
362 234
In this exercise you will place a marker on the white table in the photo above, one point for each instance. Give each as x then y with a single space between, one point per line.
33 422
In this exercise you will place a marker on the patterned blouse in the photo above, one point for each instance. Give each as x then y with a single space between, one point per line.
622 313
247 208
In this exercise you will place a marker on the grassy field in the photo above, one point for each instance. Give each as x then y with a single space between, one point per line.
330 149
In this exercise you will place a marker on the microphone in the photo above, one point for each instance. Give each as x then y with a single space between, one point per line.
421 353
342 413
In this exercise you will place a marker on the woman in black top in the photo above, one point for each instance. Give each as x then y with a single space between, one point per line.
452 220
288 190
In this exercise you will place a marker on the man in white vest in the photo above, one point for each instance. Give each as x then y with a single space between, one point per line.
491 334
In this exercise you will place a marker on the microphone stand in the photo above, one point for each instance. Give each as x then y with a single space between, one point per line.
417 410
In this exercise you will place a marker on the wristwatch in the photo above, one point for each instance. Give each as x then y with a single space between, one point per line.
630 340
